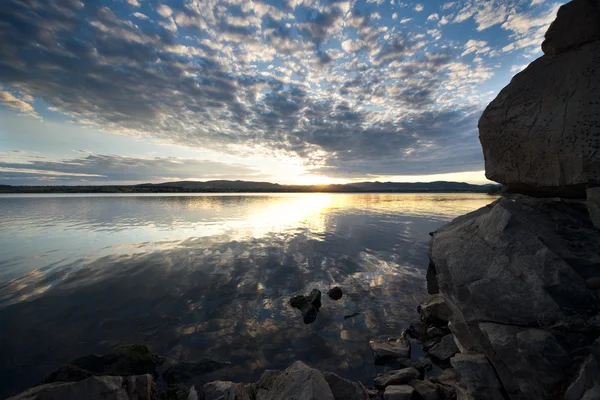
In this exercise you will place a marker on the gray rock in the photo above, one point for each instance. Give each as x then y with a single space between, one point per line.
219 390
593 205
478 376
445 349
267 379
343 389
425 390
434 332
335 293
140 387
577 23
300 382
398 392
394 348
587 382
192 394
435 311
397 377
540 134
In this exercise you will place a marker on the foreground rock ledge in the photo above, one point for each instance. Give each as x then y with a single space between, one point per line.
516 275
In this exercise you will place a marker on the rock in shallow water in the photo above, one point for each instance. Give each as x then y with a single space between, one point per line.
398 377
308 305
398 392
335 293
394 348
299 382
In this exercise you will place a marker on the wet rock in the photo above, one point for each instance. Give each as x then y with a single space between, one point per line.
308 305
343 389
398 392
299 382
184 372
397 377
139 387
425 390
373 393
394 348
335 293
434 332
448 377
577 23
478 375
435 311
445 349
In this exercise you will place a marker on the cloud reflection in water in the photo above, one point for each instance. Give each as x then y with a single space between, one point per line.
211 276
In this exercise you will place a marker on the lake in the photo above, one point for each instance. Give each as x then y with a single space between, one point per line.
208 275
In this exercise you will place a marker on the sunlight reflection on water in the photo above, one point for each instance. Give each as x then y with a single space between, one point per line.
211 275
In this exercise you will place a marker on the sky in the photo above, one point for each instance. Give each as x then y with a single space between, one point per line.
287 91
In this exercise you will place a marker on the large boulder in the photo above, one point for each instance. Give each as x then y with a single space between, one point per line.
541 134
515 275
139 387
343 389
299 382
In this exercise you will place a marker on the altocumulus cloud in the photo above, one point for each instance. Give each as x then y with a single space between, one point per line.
113 169
343 86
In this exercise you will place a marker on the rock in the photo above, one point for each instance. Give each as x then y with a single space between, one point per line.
267 379
577 23
397 377
593 205
343 389
425 390
445 349
434 332
540 134
68 373
192 394
224 390
335 293
308 305
139 387
447 382
586 384
184 372
521 262
435 311
398 392
351 315
478 376
394 348
300 382
372 393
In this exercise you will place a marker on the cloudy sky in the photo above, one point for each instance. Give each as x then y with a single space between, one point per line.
289 91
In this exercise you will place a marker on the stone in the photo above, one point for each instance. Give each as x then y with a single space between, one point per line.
478 375
139 387
335 293
192 394
445 349
343 389
540 135
586 384
300 382
394 348
126 360
397 377
577 23
434 332
308 305
267 379
398 392
425 390
225 390
435 311
68 373
593 205
372 393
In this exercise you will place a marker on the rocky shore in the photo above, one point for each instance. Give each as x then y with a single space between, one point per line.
514 312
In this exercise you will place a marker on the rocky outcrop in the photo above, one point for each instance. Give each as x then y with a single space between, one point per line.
300 382
521 277
540 135
139 387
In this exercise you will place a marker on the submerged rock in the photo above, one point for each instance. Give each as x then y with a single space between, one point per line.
308 305
335 293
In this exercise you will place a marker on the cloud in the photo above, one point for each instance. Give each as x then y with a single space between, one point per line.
419 7
476 46
109 169
433 17
9 100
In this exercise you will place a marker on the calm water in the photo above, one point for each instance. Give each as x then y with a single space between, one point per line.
211 276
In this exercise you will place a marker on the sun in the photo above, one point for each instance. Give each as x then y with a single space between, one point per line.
316 180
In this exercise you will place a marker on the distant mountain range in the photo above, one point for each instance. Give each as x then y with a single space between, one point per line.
223 186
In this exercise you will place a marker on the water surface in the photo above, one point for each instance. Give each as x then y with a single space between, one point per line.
197 276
